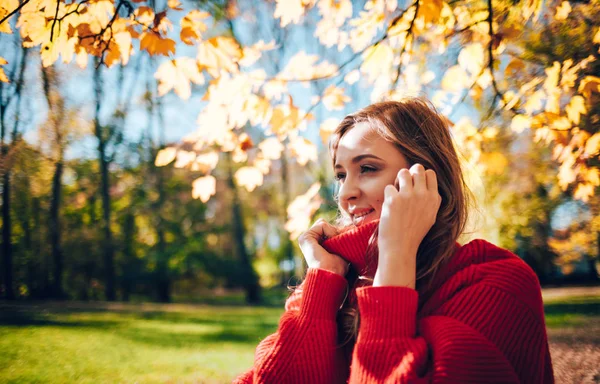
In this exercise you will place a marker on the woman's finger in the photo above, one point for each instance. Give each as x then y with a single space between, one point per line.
431 177
418 175
405 180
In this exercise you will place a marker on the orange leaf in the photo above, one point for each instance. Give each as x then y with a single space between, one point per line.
156 45
192 26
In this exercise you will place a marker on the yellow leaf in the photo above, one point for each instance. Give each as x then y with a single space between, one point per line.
184 158
156 45
303 150
249 178
3 77
301 209
561 123
563 10
588 85
219 53
204 187
251 54
289 11
592 145
377 61
455 79
575 108
123 41
597 37
430 11
7 7
334 98
271 148
520 123
165 156
514 67
205 162
177 74
471 58
495 163
175 5
264 165
192 26
583 192
327 128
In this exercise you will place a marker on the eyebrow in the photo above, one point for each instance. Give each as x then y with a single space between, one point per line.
359 158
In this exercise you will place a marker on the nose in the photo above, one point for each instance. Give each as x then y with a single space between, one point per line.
349 190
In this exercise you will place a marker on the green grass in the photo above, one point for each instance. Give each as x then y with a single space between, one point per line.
576 311
136 343
191 344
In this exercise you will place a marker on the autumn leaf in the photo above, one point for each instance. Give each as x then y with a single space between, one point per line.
219 53
455 79
327 128
154 44
204 187
520 123
177 74
334 98
303 150
271 148
575 108
563 10
378 61
495 163
592 145
192 26
165 156
588 85
3 77
301 210
249 178
175 5
184 158
251 54
205 162
290 11
6 7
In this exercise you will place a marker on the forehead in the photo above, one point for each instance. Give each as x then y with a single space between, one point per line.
362 139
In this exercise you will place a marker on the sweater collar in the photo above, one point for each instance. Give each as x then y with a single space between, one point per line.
352 246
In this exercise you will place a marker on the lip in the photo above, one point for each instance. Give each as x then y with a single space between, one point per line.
363 219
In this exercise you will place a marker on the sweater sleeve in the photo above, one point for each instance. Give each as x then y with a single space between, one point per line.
304 348
483 333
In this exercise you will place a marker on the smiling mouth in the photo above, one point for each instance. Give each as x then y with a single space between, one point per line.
359 220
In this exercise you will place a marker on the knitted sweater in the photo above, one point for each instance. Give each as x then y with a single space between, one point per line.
481 321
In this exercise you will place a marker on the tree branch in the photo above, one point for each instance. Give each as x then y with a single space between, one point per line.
13 12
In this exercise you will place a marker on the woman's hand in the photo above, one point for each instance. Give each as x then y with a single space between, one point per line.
407 214
316 256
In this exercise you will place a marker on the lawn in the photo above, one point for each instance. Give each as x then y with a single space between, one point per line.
153 343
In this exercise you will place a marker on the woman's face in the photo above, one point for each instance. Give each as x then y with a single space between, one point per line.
365 164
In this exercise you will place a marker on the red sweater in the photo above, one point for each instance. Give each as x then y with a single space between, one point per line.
482 321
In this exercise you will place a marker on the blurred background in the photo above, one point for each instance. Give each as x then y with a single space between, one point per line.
159 159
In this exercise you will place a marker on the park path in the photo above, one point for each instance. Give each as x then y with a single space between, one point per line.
575 351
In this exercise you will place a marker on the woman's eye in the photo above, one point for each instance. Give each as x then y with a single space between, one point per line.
366 168
339 176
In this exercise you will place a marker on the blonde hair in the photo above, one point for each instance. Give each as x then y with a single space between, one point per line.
422 135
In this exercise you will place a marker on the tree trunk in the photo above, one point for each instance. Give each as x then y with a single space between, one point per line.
249 276
57 257
288 245
7 266
109 272
56 113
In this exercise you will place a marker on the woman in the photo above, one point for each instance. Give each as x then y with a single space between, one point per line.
389 295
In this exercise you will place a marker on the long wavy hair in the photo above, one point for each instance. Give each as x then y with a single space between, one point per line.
422 135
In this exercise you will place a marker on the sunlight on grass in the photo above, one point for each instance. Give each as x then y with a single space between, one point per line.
153 343
209 344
